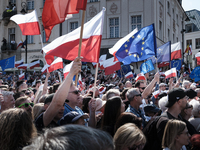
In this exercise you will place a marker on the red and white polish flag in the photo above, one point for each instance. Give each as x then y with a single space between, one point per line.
111 66
21 76
197 55
156 93
129 75
23 66
20 62
34 64
56 64
80 83
176 51
102 89
140 76
44 69
170 73
67 69
28 23
67 46
20 44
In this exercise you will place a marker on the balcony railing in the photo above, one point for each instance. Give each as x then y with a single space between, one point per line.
8 13
8 46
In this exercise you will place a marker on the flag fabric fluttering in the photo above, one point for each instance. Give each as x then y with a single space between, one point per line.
176 51
188 50
44 69
20 62
163 53
146 66
34 64
55 12
111 66
140 76
163 64
67 69
140 46
21 76
170 73
195 74
28 23
129 75
80 83
176 64
19 44
23 66
56 64
197 55
115 48
24 44
7 63
124 70
67 46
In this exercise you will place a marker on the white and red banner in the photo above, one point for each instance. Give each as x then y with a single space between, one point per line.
20 62
67 69
20 44
67 45
176 51
23 66
102 89
170 73
44 69
156 93
56 64
111 66
80 83
129 75
140 76
28 23
34 64
21 76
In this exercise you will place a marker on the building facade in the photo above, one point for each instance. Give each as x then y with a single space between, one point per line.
121 17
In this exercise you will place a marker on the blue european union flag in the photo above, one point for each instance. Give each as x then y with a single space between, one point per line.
7 63
146 66
176 64
163 53
195 74
124 70
140 46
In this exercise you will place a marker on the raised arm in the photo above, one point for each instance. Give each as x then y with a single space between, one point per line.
61 94
45 84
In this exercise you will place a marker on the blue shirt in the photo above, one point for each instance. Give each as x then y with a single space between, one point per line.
138 113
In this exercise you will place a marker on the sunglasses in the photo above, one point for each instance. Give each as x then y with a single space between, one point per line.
26 105
76 92
142 88
139 147
27 93
138 95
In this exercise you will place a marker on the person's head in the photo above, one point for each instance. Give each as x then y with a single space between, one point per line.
73 96
85 104
191 93
128 84
55 87
24 103
8 100
38 109
127 117
175 134
186 84
162 102
16 128
111 93
73 117
150 110
121 86
123 94
21 85
196 108
140 85
129 136
134 96
186 113
113 108
72 137
162 86
198 92
178 97
38 83
195 141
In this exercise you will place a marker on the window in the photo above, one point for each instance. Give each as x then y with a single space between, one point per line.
168 7
73 25
30 39
11 34
136 22
197 43
168 34
189 28
177 18
44 35
160 30
30 5
114 27
177 39
173 14
189 42
13 1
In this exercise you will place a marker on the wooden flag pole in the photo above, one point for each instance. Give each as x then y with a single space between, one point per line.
95 80
80 42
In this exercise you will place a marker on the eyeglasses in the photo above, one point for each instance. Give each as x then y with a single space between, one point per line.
142 88
27 93
138 95
139 147
26 105
76 92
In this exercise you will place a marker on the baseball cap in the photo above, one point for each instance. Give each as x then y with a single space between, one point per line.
71 117
191 93
151 108
175 95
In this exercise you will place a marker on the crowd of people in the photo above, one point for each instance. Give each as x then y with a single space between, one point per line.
45 112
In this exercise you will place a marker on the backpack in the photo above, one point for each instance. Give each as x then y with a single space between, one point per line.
150 131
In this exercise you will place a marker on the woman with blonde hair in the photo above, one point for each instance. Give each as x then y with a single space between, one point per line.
16 129
175 135
37 110
129 137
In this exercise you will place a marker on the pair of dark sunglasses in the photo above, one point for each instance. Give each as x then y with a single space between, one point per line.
76 92
134 147
27 93
26 105
142 88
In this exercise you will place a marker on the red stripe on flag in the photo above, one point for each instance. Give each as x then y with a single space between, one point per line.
30 28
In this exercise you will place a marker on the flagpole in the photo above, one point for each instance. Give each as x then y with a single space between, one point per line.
95 80
80 41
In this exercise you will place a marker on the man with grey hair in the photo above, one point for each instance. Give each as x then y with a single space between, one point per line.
195 120
6 100
135 98
186 84
111 93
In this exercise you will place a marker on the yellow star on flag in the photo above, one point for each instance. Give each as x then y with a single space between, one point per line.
135 55
142 43
126 50
132 37
142 48
128 40
138 36
142 38
125 45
